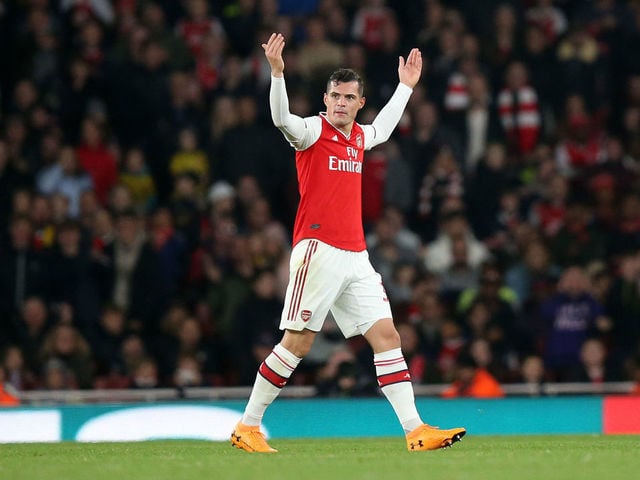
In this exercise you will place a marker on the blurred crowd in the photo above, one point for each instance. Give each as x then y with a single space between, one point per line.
146 200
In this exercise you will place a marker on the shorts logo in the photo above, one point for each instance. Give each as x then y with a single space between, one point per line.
305 315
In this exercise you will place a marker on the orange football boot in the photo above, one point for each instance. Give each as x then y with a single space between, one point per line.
426 437
250 439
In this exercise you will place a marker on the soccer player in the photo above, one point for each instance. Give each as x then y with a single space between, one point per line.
329 266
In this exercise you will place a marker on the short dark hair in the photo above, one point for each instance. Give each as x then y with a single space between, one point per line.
346 75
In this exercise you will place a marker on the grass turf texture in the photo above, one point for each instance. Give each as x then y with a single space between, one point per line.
504 457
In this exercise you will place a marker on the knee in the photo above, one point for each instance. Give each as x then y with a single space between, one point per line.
383 336
298 343
391 338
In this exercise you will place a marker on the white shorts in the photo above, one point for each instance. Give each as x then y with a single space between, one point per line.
323 278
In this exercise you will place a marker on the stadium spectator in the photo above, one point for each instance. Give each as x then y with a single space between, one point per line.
23 271
488 181
548 18
547 212
461 274
472 380
582 144
188 372
387 250
623 305
196 25
428 314
519 110
581 68
128 274
136 177
42 216
498 299
539 56
18 374
133 352
595 365
8 397
477 121
318 54
504 45
567 319
106 342
70 264
532 373
369 22
96 159
626 234
171 248
577 242
454 227
533 277
145 374
186 204
189 158
154 17
120 199
66 358
443 180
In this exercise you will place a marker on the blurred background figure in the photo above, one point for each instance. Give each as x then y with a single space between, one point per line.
567 319
472 380
8 396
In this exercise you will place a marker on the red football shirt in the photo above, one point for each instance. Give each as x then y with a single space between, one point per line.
330 184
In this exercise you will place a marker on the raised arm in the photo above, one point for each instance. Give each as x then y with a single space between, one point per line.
409 72
299 133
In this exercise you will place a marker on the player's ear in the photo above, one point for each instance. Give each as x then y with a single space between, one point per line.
363 100
324 99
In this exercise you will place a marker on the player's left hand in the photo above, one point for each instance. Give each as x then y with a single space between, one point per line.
409 71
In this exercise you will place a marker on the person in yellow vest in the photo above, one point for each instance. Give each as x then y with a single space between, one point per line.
136 176
190 159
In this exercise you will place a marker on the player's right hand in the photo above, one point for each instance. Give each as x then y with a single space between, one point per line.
273 51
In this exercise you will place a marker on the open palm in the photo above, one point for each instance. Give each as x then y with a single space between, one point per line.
409 71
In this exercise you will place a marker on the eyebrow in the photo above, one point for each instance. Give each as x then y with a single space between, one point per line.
348 95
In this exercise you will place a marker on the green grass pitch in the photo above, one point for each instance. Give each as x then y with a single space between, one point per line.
503 457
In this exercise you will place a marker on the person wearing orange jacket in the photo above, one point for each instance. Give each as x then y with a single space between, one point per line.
6 398
472 381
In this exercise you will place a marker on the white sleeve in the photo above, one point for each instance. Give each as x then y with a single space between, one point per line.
300 132
387 119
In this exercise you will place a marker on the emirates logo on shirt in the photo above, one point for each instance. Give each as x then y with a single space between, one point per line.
352 164
339 165
305 315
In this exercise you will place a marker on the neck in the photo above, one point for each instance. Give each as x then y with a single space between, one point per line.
345 129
